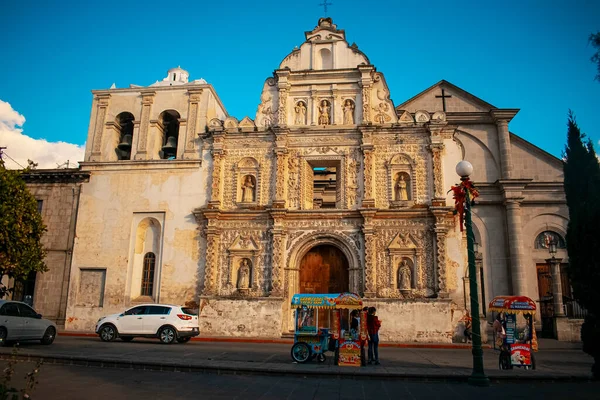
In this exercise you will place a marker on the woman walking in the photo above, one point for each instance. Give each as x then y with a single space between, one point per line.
373 325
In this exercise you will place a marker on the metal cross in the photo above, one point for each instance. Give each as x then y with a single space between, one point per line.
325 4
443 97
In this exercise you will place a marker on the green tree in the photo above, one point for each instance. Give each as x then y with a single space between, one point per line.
21 229
582 189
595 41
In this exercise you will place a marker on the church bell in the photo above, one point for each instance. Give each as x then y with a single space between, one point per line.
125 144
170 148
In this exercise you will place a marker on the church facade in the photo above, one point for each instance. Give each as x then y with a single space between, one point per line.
330 187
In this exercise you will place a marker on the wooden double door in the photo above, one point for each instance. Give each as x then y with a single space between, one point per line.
324 269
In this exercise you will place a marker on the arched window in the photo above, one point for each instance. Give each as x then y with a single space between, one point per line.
148 274
125 125
325 59
169 122
543 240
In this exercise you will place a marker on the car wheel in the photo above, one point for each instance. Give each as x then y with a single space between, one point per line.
300 352
108 333
3 336
49 335
167 335
127 338
183 339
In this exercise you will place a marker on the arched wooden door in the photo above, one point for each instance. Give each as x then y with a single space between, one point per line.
324 269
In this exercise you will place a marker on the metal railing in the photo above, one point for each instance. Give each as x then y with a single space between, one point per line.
573 310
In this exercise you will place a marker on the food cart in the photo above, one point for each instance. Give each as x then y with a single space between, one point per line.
516 349
323 322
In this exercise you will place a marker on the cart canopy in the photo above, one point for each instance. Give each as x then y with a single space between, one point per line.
329 300
512 304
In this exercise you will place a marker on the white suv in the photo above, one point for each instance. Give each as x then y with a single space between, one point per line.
166 322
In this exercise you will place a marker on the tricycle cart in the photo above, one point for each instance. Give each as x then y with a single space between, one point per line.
329 322
516 347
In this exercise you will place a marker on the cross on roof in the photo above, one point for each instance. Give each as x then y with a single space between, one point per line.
444 97
325 4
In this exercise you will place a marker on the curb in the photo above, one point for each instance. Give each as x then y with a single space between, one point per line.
276 370
452 346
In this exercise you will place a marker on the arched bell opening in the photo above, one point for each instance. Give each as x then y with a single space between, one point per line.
124 122
169 124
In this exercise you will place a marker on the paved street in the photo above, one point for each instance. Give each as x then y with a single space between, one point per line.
223 357
90 383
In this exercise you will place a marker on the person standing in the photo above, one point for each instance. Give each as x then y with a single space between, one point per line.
373 325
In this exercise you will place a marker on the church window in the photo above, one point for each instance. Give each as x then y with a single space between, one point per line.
169 124
125 126
148 274
40 205
325 185
543 240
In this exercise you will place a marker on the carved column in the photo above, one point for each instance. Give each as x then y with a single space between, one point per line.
212 262
314 104
366 95
368 199
195 96
102 106
281 174
147 101
437 150
370 274
283 86
278 259
441 231
217 155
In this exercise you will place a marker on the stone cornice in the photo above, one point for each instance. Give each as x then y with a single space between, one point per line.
503 114
56 176
469 118
135 165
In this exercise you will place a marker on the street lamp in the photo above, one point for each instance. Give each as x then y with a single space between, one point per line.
477 378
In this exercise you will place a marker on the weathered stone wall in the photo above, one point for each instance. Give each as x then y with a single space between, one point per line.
258 317
113 204
59 191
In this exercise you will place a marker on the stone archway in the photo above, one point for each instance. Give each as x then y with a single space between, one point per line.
324 269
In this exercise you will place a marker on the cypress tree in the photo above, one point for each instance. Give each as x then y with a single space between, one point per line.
582 190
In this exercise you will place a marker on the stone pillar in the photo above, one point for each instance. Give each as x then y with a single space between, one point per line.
313 108
503 117
147 101
102 106
504 143
195 95
515 241
283 86
556 286
370 274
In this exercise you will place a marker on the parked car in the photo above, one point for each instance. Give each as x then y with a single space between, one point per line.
20 322
165 322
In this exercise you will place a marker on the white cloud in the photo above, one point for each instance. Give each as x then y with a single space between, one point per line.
21 147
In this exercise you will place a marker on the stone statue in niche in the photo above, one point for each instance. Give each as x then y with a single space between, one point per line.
324 113
300 111
243 281
248 189
404 276
348 112
401 188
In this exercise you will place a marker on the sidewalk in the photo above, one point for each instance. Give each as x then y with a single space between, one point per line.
254 358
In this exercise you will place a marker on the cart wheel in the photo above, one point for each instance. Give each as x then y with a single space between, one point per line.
300 352
321 358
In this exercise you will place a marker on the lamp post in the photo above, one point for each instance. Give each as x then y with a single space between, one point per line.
477 378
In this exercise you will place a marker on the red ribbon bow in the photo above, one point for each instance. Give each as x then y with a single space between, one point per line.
459 193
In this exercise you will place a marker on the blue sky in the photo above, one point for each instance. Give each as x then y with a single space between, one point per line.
525 54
